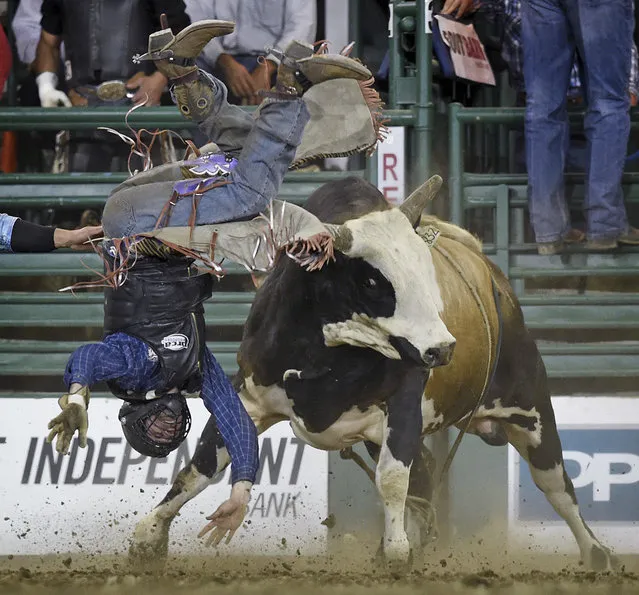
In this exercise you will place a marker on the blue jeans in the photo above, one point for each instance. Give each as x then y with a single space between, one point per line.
268 144
601 31
227 125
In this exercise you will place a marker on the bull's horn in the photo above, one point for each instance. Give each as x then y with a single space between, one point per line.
342 237
414 205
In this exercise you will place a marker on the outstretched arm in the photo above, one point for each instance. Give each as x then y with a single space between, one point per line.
118 356
240 437
17 235
237 429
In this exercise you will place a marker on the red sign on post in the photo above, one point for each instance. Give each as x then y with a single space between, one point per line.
390 166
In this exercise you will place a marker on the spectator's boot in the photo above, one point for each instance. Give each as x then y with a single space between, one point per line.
573 236
631 237
174 56
297 75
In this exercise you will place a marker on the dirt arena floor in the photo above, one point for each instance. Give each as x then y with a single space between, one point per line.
455 570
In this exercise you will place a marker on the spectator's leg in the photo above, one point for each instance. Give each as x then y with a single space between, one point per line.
548 50
603 33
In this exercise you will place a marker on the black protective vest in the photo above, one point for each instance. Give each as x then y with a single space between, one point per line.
161 302
101 36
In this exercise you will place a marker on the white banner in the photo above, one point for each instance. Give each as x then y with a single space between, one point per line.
600 441
90 500
466 51
391 166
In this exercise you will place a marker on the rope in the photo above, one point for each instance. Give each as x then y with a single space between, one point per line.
490 370
490 375
350 454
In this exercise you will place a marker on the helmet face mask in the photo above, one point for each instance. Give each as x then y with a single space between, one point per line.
157 427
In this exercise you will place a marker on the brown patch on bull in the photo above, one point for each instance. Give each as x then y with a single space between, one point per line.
456 387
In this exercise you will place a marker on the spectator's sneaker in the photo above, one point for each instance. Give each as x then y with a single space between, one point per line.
295 75
174 55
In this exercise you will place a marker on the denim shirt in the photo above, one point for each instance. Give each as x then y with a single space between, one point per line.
128 359
260 23
6 229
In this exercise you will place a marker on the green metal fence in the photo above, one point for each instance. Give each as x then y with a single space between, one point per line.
413 86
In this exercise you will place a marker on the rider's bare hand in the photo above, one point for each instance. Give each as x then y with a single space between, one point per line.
229 515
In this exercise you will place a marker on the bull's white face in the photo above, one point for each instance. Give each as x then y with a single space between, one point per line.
387 241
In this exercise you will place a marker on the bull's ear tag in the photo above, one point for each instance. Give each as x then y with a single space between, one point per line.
429 234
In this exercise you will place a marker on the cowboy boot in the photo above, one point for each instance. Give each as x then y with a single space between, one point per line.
174 56
296 75
194 92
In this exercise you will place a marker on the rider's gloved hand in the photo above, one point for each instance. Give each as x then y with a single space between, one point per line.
50 96
73 418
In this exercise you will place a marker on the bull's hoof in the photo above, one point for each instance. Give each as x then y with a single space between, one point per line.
145 557
602 559
149 547
394 559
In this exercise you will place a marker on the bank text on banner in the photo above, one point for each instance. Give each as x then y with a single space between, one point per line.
600 441
391 166
90 500
466 51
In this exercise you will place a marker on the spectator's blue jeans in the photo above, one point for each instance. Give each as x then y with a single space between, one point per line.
268 150
601 31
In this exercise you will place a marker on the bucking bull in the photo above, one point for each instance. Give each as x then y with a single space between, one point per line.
409 330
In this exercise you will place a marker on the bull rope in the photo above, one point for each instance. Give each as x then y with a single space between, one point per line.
428 508
490 371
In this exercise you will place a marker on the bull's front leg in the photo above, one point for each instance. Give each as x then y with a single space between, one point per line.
400 446
150 541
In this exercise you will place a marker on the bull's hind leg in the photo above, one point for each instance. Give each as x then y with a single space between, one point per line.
150 540
534 434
